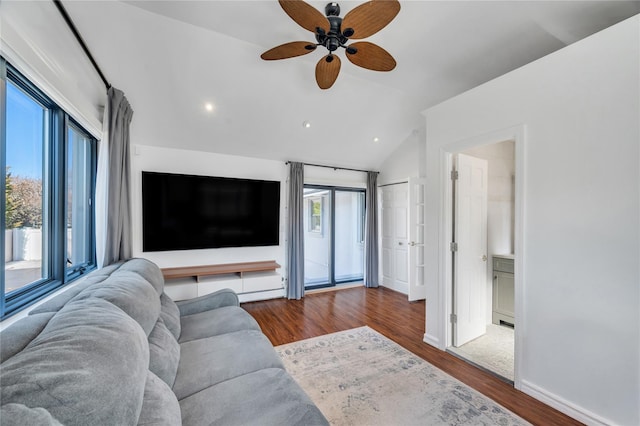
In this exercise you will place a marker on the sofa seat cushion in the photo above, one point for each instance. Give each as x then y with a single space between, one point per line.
215 322
205 362
265 397
90 362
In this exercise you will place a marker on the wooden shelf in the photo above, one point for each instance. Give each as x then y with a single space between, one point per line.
198 272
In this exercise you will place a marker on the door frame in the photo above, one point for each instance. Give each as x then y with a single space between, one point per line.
445 279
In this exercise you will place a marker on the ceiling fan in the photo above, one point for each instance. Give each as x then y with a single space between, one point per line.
334 32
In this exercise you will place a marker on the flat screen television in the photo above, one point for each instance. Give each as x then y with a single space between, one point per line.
186 212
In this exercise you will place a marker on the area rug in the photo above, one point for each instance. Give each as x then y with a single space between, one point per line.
359 377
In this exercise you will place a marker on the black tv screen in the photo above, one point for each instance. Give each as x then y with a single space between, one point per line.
185 212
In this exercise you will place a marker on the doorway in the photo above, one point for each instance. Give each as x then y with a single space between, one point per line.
482 250
334 235
395 237
402 236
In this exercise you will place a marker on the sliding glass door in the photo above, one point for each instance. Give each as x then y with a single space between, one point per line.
317 236
349 235
334 235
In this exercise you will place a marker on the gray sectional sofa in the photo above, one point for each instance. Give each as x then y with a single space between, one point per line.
116 350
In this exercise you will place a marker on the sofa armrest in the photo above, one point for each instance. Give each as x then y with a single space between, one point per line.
218 299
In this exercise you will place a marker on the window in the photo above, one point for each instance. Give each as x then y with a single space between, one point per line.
79 190
315 215
361 212
47 207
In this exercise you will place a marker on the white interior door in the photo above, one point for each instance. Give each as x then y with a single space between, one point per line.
470 258
401 237
395 237
387 236
417 290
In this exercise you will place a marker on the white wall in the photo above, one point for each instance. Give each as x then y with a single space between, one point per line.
334 177
500 194
147 158
408 160
579 323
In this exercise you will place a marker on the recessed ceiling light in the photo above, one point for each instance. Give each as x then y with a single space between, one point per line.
208 106
376 139
306 124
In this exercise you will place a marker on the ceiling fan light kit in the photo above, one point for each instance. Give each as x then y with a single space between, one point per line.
334 32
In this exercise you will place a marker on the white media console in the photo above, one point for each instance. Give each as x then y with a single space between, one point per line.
244 278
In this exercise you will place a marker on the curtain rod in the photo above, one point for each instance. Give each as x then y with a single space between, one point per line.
75 32
394 183
332 167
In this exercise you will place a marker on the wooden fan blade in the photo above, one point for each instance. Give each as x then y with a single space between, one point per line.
327 72
370 17
288 50
307 16
371 56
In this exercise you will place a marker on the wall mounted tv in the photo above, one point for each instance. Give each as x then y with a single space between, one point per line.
185 212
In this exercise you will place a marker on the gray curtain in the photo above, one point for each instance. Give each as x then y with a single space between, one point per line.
371 232
118 236
295 252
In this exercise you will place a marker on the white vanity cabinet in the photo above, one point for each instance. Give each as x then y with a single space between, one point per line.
503 289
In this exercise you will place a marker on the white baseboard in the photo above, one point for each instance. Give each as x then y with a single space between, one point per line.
564 406
261 295
399 289
431 340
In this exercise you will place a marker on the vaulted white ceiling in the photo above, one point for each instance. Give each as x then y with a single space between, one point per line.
171 57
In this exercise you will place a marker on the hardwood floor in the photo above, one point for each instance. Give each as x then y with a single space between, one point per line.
389 313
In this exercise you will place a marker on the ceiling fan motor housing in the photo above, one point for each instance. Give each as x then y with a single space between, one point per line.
332 9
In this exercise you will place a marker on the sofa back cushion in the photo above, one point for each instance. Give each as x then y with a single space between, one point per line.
89 364
94 278
131 293
16 337
18 414
164 353
170 314
147 270
160 406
